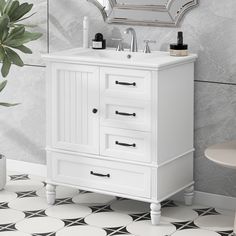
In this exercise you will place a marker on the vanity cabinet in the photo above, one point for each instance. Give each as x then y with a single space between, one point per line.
121 129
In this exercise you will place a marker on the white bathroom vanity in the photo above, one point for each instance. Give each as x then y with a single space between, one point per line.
120 123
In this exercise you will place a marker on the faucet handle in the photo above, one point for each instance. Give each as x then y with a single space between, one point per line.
120 46
147 48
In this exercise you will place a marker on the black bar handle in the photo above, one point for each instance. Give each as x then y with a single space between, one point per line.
125 144
125 114
99 175
127 84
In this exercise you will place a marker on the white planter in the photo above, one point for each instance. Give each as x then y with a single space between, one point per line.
2 171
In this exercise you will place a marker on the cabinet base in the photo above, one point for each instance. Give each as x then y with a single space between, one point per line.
51 193
189 195
155 213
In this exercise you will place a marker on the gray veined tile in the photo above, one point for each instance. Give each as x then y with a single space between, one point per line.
215 117
22 134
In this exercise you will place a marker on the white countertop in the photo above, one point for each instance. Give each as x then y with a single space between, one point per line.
155 60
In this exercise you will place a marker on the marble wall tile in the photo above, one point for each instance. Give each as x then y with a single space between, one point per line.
210 31
22 128
215 122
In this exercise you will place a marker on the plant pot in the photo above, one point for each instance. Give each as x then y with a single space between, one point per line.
2 171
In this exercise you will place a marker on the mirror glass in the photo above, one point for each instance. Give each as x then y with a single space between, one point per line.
166 13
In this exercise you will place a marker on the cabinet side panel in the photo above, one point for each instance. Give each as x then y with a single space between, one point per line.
175 112
175 176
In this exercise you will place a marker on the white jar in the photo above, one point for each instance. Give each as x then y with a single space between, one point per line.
2 171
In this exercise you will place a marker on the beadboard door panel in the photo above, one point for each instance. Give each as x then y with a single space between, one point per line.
75 127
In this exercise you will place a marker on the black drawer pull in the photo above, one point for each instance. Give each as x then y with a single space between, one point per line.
99 175
125 114
125 144
127 84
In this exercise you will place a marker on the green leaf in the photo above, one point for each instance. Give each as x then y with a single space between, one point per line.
22 10
24 49
14 57
2 53
10 11
4 21
25 38
4 104
7 6
6 65
15 32
2 5
3 85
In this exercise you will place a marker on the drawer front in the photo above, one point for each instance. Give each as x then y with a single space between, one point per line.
101 175
131 114
125 83
125 144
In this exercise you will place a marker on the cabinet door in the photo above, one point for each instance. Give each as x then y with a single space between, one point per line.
75 95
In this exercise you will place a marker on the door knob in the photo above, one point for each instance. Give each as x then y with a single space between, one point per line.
95 110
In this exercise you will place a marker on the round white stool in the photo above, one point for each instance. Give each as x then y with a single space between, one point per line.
2 171
223 154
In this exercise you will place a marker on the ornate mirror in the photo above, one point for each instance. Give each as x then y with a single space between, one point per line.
166 13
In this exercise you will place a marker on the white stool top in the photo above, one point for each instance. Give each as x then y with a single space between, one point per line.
223 154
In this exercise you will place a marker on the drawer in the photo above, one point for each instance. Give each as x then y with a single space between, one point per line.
125 144
98 174
126 114
125 83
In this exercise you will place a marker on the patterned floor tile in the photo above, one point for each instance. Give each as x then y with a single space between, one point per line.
81 230
68 211
25 212
215 222
144 228
40 225
195 232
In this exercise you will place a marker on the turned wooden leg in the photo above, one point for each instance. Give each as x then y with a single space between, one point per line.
155 213
51 193
188 195
235 225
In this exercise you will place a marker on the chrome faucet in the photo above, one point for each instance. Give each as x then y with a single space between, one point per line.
133 44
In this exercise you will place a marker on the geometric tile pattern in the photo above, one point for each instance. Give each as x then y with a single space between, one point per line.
109 216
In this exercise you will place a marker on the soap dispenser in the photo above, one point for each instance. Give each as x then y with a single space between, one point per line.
179 49
99 42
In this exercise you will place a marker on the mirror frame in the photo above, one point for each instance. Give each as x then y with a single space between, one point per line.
159 8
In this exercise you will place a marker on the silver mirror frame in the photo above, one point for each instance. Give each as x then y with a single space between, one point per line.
159 8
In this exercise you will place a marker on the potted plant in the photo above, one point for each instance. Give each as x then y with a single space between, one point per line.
13 37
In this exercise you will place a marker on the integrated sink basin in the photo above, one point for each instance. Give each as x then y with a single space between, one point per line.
100 57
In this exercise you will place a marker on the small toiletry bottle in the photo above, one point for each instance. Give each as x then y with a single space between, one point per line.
86 32
179 49
99 42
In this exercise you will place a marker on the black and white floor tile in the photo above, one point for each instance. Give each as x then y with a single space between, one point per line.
24 212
